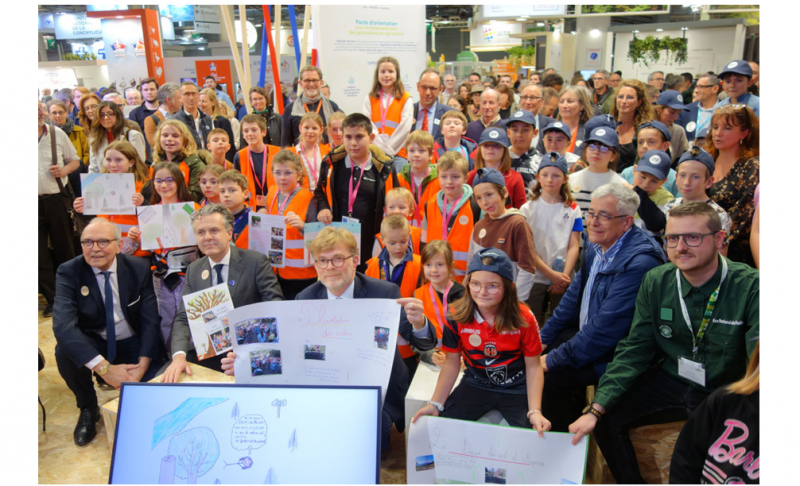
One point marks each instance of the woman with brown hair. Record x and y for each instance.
(630, 109)
(733, 141)
(209, 105)
(109, 126)
(87, 108)
(575, 109)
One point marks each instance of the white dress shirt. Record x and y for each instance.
(122, 329)
(226, 265)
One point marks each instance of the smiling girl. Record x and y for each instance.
(309, 148)
(391, 110)
(174, 143)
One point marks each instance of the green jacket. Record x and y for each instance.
(659, 332)
(609, 102)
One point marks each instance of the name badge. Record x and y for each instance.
(436, 121)
(348, 219)
(261, 201)
(692, 370)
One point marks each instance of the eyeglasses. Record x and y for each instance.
(704, 85)
(335, 261)
(311, 81)
(102, 244)
(107, 115)
(691, 239)
(491, 289)
(597, 146)
(599, 78)
(169, 181)
(603, 218)
(530, 98)
(287, 173)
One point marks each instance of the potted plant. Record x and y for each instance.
(521, 56)
(648, 50)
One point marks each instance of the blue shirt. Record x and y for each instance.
(748, 99)
(601, 261)
(223, 96)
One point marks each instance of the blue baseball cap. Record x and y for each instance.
(697, 154)
(495, 134)
(737, 67)
(658, 126)
(654, 162)
(523, 116)
(672, 99)
(553, 159)
(501, 264)
(600, 121)
(487, 174)
(559, 127)
(605, 135)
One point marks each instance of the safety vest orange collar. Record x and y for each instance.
(247, 171)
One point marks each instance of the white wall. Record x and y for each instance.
(708, 50)
(586, 41)
(92, 76)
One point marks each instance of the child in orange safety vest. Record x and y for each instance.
(255, 160)
(400, 201)
(419, 176)
(309, 148)
(391, 109)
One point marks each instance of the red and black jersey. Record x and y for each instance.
(494, 360)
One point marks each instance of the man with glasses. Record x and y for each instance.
(530, 99)
(696, 119)
(169, 103)
(598, 307)
(106, 321)
(449, 87)
(428, 110)
(656, 79)
(198, 123)
(692, 333)
(310, 100)
(248, 274)
(601, 89)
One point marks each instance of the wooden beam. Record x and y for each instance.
(237, 62)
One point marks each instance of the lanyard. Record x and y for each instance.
(418, 194)
(446, 216)
(709, 307)
(394, 276)
(235, 225)
(351, 197)
(263, 169)
(312, 166)
(318, 106)
(444, 303)
(384, 111)
(285, 201)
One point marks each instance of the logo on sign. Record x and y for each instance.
(351, 81)
(490, 350)
(488, 33)
(290, 41)
(118, 49)
(138, 48)
(593, 56)
(213, 67)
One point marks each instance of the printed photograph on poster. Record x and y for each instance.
(311, 230)
(204, 312)
(265, 362)
(260, 330)
(166, 226)
(314, 351)
(594, 57)
(425, 463)
(108, 193)
(494, 475)
(268, 236)
(381, 337)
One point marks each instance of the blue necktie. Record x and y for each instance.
(218, 269)
(111, 335)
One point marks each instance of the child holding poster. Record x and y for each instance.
(498, 337)
(391, 110)
(309, 149)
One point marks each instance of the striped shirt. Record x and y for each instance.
(601, 261)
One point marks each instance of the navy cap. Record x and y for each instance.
(672, 99)
(487, 174)
(697, 154)
(654, 162)
(658, 126)
(737, 67)
(494, 134)
(501, 264)
(559, 127)
(600, 121)
(523, 116)
(553, 159)
(605, 135)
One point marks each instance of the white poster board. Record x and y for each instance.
(267, 235)
(351, 39)
(204, 312)
(316, 342)
(442, 450)
(166, 226)
(108, 193)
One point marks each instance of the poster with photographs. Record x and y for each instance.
(108, 193)
(268, 236)
(204, 312)
(311, 230)
(315, 342)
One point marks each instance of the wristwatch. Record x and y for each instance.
(591, 410)
(438, 405)
(102, 371)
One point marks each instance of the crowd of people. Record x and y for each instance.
(548, 236)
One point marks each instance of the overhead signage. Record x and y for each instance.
(77, 26)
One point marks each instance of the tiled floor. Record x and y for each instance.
(61, 461)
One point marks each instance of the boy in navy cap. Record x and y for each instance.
(695, 177)
(649, 175)
(653, 135)
(521, 127)
(669, 107)
(736, 78)
(556, 137)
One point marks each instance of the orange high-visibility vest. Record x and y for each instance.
(247, 171)
(429, 192)
(294, 261)
(324, 150)
(428, 307)
(393, 115)
(127, 221)
(459, 236)
(243, 241)
(184, 169)
(415, 238)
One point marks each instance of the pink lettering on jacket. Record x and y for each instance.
(725, 450)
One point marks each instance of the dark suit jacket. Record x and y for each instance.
(205, 126)
(441, 109)
(75, 314)
(541, 122)
(372, 288)
(254, 281)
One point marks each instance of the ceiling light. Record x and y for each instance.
(119, 17)
(635, 31)
(573, 32)
(659, 30)
(201, 48)
(594, 33)
(539, 24)
(684, 28)
(522, 19)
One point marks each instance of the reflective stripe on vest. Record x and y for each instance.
(459, 236)
(393, 116)
(249, 174)
(294, 257)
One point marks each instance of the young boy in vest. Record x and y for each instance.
(233, 194)
(419, 175)
(255, 160)
(649, 176)
(353, 181)
(453, 126)
(218, 144)
(453, 212)
(400, 201)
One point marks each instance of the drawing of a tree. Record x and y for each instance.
(198, 306)
(196, 450)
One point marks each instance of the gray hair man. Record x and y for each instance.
(531, 99)
(601, 88)
(169, 102)
(490, 113)
(656, 78)
(310, 100)
(449, 87)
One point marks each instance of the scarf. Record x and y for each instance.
(299, 110)
(68, 126)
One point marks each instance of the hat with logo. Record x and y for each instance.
(654, 162)
(600, 121)
(487, 174)
(494, 134)
(476, 88)
(500, 264)
(553, 159)
(737, 67)
(697, 154)
(605, 135)
(658, 126)
(523, 116)
(672, 99)
(558, 127)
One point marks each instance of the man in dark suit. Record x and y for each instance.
(697, 118)
(105, 320)
(336, 256)
(248, 273)
(429, 111)
(198, 123)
